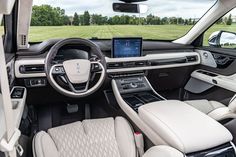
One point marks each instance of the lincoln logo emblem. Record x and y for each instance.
(78, 67)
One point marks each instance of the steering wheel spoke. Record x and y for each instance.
(58, 70)
(96, 67)
(78, 88)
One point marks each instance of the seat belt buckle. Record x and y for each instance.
(8, 146)
(19, 149)
(138, 137)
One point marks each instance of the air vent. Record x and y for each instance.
(192, 58)
(114, 65)
(26, 69)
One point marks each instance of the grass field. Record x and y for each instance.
(147, 32)
(163, 32)
(1, 30)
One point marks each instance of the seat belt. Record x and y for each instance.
(9, 142)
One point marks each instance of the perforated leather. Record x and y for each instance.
(214, 109)
(205, 106)
(90, 138)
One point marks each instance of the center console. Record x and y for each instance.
(164, 122)
(136, 91)
(171, 122)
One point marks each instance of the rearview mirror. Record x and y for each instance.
(223, 39)
(130, 8)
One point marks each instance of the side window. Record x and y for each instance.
(223, 32)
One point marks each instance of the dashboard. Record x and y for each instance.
(144, 55)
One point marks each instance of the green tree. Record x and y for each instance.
(67, 20)
(86, 18)
(46, 15)
(229, 20)
(109, 21)
(116, 20)
(98, 19)
(81, 19)
(180, 21)
(165, 21)
(104, 20)
(124, 19)
(173, 20)
(76, 20)
(150, 19)
(190, 21)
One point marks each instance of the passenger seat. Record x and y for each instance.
(214, 109)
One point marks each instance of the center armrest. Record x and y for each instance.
(183, 127)
(163, 151)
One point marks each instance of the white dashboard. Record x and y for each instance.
(116, 65)
(152, 61)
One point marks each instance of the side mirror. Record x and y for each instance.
(130, 8)
(214, 39)
(223, 39)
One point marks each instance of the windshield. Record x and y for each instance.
(164, 20)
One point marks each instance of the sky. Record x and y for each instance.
(161, 8)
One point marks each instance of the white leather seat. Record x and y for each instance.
(106, 137)
(214, 109)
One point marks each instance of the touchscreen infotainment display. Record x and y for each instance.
(126, 47)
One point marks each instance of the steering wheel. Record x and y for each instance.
(75, 73)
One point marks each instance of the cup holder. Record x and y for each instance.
(138, 99)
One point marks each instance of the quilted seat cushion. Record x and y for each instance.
(89, 138)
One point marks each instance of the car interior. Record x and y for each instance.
(124, 96)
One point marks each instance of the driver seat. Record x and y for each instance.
(106, 137)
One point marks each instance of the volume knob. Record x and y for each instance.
(133, 85)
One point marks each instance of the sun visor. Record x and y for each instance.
(6, 6)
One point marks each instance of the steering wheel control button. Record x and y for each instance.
(96, 67)
(58, 70)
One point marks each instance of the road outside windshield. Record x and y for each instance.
(165, 19)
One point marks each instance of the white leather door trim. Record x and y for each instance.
(226, 82)
(207, 58)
